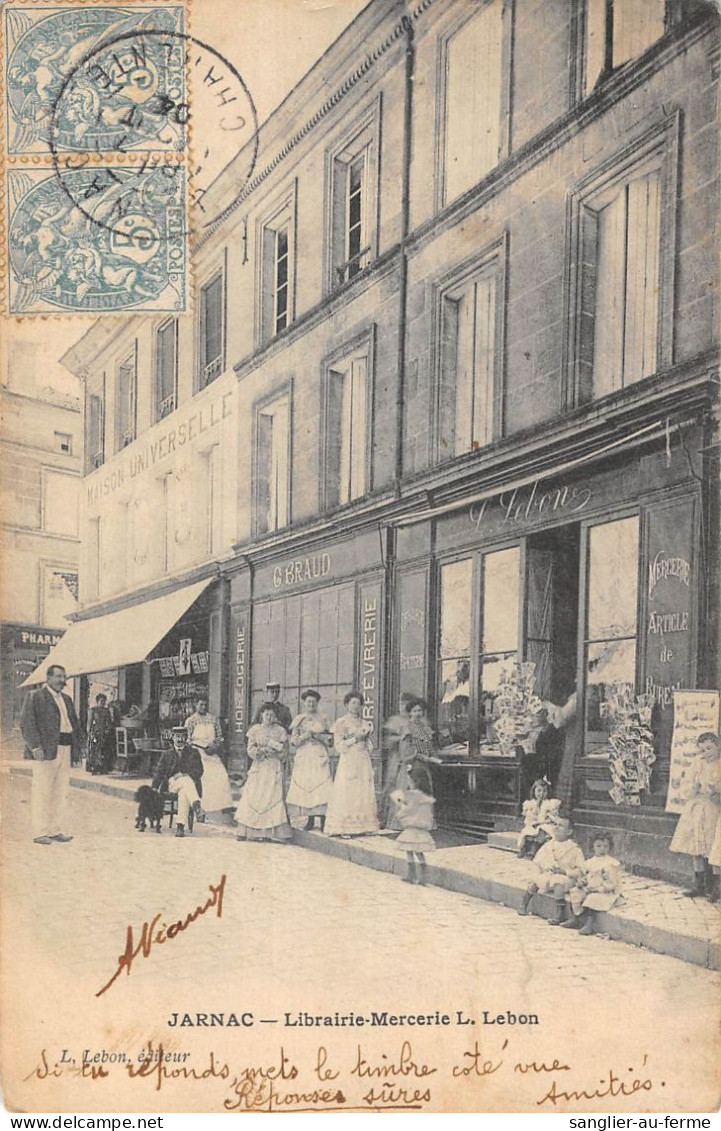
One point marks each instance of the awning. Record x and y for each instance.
(119, 638)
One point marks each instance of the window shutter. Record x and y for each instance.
(636, 25)
(473, 95)
(449, 369)
(642, 279)
(263, 471)
(484, 360)
(595, 42)
(358, 427)
(610, 297)
(335, 440)
(465, 307)
(278, 487)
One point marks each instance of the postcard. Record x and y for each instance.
(360, 531)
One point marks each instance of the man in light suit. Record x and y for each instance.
(52, 736)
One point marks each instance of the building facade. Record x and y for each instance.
(446, 400)
(40, 444)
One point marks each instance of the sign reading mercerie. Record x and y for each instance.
(140, 459)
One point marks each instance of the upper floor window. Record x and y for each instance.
(354, 196)
(96, 429)
(474, 99)
(213, 499)
(347, 427)
(60, 502)
(126, 399)
(619, 30)
(272, 465)
(166, 368)
(470, 354)
(277, 270)
(624, 241)
(63, 442)
(211, 330)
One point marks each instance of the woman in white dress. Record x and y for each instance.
(352, 806)
(261, 812)
(205, 735)
(311, 783)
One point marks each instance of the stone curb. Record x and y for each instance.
(689, 948)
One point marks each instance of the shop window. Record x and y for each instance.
(474, 99)
(347, 400)
(611, 623)
(499, 633)
(60, 503)
(625, 235)
(475, 658)
(272, 465)
(96, 429)
(469, 360)
(166, 368)
(454, 659)
(616, 31)
(211, 332)
(277, 270)
(126, 402)
(354, 196)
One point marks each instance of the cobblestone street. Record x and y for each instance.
(304, 932)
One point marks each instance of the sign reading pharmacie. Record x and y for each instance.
(30, 636)
(141, 457)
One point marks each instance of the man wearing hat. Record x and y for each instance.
(180, 771)
(273, 696)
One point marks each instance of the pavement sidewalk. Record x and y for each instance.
(655, 914)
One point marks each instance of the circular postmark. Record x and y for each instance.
(123, 112)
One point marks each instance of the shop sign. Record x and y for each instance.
(165, 444)
(26, 636)
(370, 651)
(669, 619)
(240, 718)
(523, 505)
(300, 570)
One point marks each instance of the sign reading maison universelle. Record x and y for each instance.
(141, 458)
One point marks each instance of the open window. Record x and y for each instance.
(347, 427)
(616, 31)
(166, 368)
(353, 172)
(277, 269)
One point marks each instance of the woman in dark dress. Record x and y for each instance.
(101, 737)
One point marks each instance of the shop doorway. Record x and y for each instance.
(553, 563)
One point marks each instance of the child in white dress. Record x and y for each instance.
(560, 864)
(414, 812)
(540, 814)
(698, 824)
(598, 889)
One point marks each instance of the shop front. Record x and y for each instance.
(23, 647)
(152, 661)
(547, 622)
(310, 618)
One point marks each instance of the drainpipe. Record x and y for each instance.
(390, 534)
(405, 227)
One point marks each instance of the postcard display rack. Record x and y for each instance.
(177, 699)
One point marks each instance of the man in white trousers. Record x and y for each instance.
(51, 732)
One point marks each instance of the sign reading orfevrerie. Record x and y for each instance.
(694, 713)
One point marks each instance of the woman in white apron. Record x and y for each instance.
(205, 734)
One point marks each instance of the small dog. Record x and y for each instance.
(150, 808)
